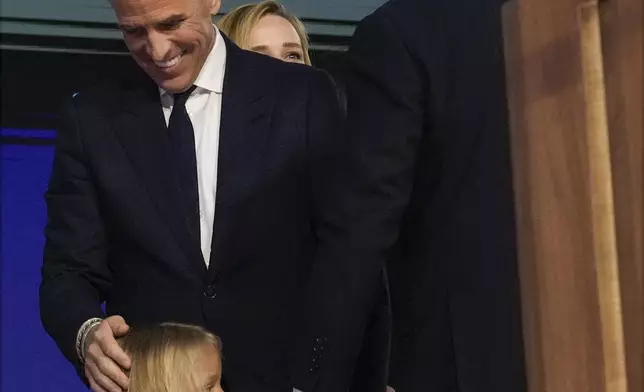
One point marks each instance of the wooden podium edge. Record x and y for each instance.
(601, 194)
(606, 259)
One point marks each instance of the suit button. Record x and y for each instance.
(210, 292)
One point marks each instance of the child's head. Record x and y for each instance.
(172, 357)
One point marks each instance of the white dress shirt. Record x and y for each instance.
(204, 110)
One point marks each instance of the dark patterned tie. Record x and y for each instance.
(182, 137)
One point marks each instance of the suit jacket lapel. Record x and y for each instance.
(245, 120)
(245, 123)
(142, 131)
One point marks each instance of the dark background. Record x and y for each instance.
(35, 82)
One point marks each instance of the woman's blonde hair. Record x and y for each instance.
(164, 355)
(238, 23)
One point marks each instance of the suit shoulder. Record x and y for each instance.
(407, 15)
(103, 94)
(277, 74)
(407, 8)
(93, 94)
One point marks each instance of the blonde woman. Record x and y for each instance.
(172, 357)
(269, 29)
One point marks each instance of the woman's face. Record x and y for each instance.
(276, 37)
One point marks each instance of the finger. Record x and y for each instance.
(105, 337)
(111, 370)
(102, 378)
(121, 330)
(94, 352)
(99, 362)
(92, 382)
(113, 350)
(118, 325)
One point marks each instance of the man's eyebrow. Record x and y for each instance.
(128, 26)
(172, 19)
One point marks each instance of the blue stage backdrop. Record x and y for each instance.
(30, 359)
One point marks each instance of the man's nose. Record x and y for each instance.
(157, 46)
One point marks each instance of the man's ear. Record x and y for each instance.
(215, 5)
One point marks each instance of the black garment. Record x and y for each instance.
(432, 191)
(116, 232)
(182, 137)
(371, 370)
(371, 367)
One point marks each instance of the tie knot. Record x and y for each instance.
(181, 98)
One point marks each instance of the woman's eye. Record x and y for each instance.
(294, 56)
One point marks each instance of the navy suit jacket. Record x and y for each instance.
(432, 191)
(116, 232)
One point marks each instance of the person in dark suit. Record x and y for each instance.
(196, 192)
(431, 193)
(268, 28)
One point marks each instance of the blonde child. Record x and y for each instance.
(171, 357)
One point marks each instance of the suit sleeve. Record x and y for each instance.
(75, 274)
(360, 208)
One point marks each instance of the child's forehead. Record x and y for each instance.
(209, 356)
(206, 370)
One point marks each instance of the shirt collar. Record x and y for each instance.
(211, 76)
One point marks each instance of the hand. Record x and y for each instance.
(104, 358)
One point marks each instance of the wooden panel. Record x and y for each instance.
(529, 273)
(579, 197)
(561, 317)
(602, 199)
(623, 46)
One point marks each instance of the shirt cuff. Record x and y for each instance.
(81, 336)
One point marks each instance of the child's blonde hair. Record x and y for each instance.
(238, 23)
(164, 355)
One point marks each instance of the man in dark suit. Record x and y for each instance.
(432, 193)
(196, 192)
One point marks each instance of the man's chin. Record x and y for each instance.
(174, 85)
